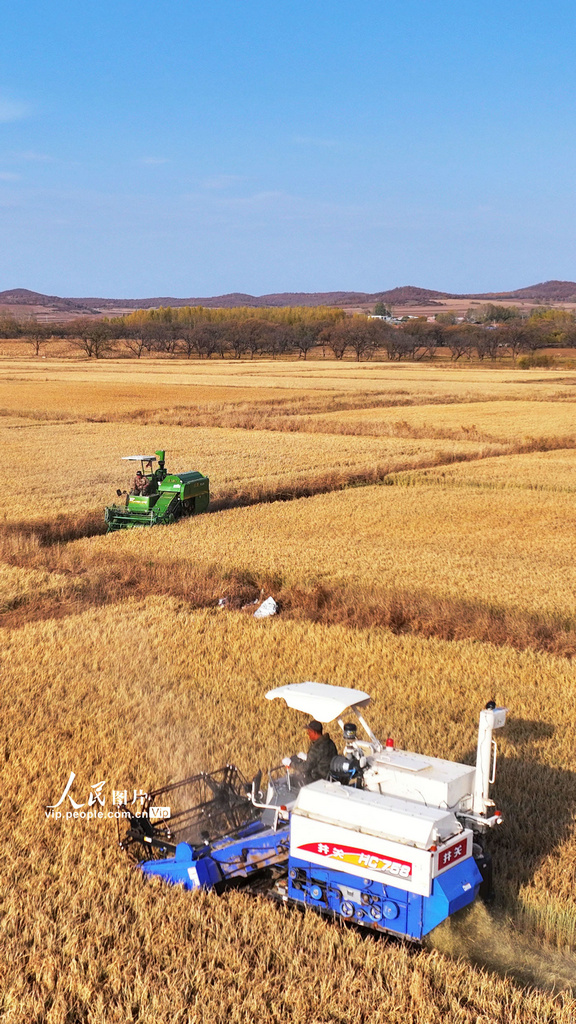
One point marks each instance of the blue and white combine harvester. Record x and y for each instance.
(393, 841)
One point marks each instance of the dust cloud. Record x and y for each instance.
(489, 939)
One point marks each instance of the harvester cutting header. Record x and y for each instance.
(158, 497)
(390, 840)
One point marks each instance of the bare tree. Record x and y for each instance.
(168, 337)
(304, 337)
(237, 339)
(135, 339)
(460, 340)
(361, 337)
(336, 338)
(206, 338)
(275, 340)
(395, 345)
(423, 338)
(188, 340)
(94, 337)
(284, 340)
(37, 335)
(10, 327)
(253, 334)
(487, 343)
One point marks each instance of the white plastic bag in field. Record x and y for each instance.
(267, 608)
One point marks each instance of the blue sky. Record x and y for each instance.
(187, 149)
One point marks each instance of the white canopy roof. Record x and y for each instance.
(139, 458)
(319, 700)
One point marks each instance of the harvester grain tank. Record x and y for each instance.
(392, 841)
(165, 497)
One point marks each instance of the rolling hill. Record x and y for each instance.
(545, 292)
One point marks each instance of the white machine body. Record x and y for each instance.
(426, 780)
(382, 838)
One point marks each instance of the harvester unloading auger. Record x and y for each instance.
(392, 841)
(163, 498)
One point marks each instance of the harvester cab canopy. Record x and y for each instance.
(325, 703)
(319, 700)
(142, 459)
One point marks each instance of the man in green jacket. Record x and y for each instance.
(316, 763)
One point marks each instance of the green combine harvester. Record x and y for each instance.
(160, 497)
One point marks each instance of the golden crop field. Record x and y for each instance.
(492, 421)
(170, 379)
(100, 939)
(78, 396)
(539, 471)
(116, 665)
(482, 546)
(77, 467)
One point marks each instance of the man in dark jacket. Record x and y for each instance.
(319, 757)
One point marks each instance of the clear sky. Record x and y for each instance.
(172, 147)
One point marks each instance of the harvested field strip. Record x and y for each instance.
(404, 603)
(503, 421)
(295, 413)
(335, 414)
(477, 546)
(258, 494)
(112, 387)
(552, 470)
(341, 409)
(82, 585)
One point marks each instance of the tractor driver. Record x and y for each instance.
(140, 483)
(316, 763)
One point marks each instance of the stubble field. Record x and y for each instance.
(431, 568)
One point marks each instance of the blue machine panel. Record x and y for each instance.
(381, 906)
(184, 868)
(251, 849)
(451, 891)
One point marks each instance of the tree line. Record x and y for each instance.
(487, 332)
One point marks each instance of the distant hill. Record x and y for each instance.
(24, 297)
(546, 292)
(228, 301)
